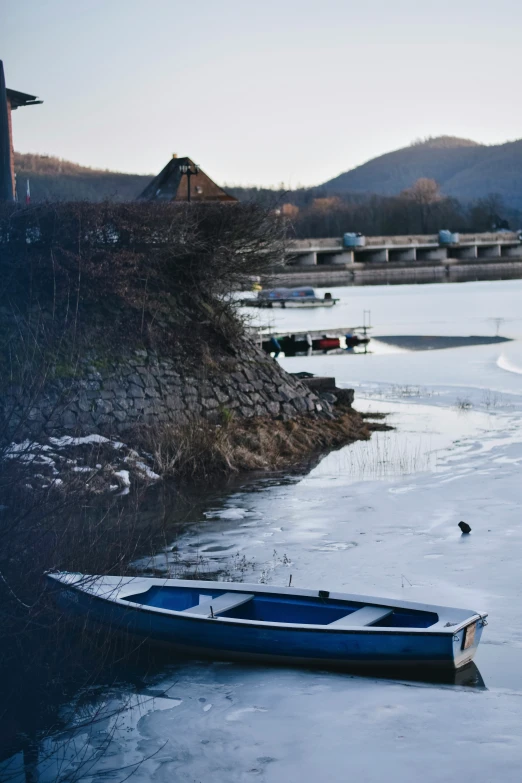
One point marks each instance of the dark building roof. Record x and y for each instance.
(17, 98)
(172, 183)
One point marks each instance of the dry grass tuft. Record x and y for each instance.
(205, 450)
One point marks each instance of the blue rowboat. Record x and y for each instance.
(251, 622)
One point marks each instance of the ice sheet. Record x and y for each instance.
(378, 517)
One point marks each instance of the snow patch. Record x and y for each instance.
(147, 471)
(36, 459)
(505, 364)
(124, 477)
(141, 466)
(26, 445)
(58, 461)
(68, 440)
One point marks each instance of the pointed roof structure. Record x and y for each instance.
(183, 180)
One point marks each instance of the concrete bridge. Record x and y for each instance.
(409, 249)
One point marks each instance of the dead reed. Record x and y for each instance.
(206, 450)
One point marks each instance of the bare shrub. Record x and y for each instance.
(159, 271)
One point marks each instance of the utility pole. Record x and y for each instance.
(6, 180)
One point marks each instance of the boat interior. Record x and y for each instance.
(276, 608)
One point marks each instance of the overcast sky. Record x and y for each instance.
(259, 91)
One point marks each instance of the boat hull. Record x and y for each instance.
(339, 648)
(289, 303)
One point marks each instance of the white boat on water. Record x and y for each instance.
(290, 297)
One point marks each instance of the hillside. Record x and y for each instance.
(58, 180)
(463, 168)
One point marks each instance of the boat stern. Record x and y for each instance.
(466, 641)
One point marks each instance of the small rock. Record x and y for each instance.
(465, 527)
(136, 391)
(103, 406)
(345, 396)
(330, 398)
(135, 379)
(68, 420)
(210, 403)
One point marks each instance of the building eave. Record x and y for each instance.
(17, 98)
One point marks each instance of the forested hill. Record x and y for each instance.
(462, 168)
(58, 180)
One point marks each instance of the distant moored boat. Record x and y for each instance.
(290, 297)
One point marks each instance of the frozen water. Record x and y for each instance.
(436, 309)
(379, 518)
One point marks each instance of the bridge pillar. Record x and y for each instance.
(432, 253)
(488, 251)
(306, 259)
(402, 254)
(511, 251)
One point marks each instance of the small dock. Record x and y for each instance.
(267, 331)
(350, 339)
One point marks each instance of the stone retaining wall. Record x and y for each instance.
(145, 388)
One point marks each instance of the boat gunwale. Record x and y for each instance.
(435, 630)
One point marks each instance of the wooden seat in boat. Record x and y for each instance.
(368, 615)
(223, 603)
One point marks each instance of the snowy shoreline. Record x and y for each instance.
(107, 465)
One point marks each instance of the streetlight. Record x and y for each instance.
(185, 169)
